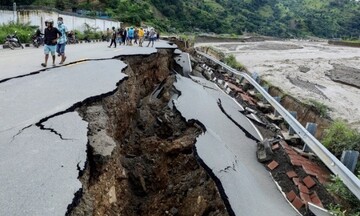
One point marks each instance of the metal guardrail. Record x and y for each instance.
(349, 179)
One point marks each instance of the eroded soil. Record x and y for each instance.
(152, 168)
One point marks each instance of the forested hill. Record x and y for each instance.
(284, 18)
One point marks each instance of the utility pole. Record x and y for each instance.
(14, 12)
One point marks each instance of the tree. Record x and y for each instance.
(60, 5)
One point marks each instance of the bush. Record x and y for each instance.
(90, 33)
(340, 137)
(321, 108)
(24, 31)
(232, 62)
(79, 35)
(351, 205)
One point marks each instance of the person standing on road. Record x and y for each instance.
(124, 36)
(113, 38)
(158, 36)
(152, 37)
(136, 35)
(141, 36)
(119, 36)
(62, 40)
(51, 36)
(131, 34)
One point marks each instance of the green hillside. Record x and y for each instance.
(283, 18)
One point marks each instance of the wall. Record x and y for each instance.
(73, 22)
(6, 16)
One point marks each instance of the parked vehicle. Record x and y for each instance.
(37, 40)
(71, 38)
(13, 41)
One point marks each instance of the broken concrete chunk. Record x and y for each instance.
(112, 195)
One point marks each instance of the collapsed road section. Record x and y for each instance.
(129, 136)
(42, 141)
(98, 138)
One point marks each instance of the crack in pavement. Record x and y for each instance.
(73, 108)
(49, 69)
(42, 127)
(19, 132)
(236, 123)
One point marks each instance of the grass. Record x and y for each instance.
(232, 62)
(321, 108)
(339, 137)
(24, 31)
(350, 205)
(352, 41)
(187, 37)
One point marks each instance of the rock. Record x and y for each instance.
(174, 211)
(112, 195)
(264, 152)
(180, 145)
(304, 69)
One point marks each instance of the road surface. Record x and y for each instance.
(43, 141)
(40, 156)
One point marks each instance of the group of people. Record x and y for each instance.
(131, 35)
(55, 38)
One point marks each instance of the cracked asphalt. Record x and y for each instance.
(42, 140)
(229, 151)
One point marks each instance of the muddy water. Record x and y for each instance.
(279, 62)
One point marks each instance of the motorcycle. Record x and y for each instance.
(72, 40)
(37, 40)
(13, 41)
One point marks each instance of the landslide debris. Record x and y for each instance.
(141, 158)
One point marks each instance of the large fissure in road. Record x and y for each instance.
(141, 158)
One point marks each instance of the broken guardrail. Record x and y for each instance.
(339, 169)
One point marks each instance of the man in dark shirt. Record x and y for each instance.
(50, 39)
(113, 37)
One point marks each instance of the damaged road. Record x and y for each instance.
(125, 135)
(229, 151)
(90, 138)
(41, 160)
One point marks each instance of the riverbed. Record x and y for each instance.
(306, 70)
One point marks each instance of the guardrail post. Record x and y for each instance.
(335, 165)
(312, 128)
(266, 88)
(278, 99)
(256, 77)
(291, 130)
(349, 159)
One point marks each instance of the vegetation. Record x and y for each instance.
(282, 18)
(24, 31)
(350, 205)
(89, 32)
(340, 137)
(232, 62)
(322, 109)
